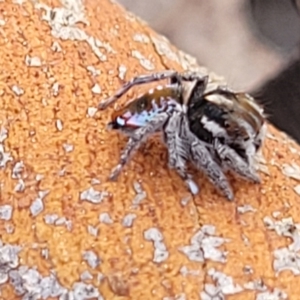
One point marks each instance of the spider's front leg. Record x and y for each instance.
(204, 161)
(174, 76)
(178, 149)
(142, 79)
(137, 137)
(232, 160)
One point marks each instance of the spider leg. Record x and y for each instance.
(220, 90)
(191, 76)
(135, 141)
(232, 160)
(178, 150)
(203, 160)
(137, 81)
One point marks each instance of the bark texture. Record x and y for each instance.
(143, 237)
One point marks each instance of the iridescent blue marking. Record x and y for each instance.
(141, 119)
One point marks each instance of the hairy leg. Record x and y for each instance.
(174, 76)
(233, 161)
(135, 141)
(203, 160)
(178, 150)
(137, 81)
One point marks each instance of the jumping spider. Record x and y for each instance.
(214, 128)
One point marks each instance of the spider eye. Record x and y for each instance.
(174, 80)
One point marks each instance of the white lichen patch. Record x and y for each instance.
(292, 170)
(271, 136)
(122, 71)
(223, 286)
(55, 89)
(8, 260)
(5, 157)
(20, 2)
(96, 89)
(256, 285)
(245, 208)
(184, 201)
(50, 218)
(30, 284)
(39, 177)
(45, 253)
(68, 147)
(94, 72)
(261, 163)
(20, 186)
(43, 194)
(93, 196)
(105, 46)
(6, 212)
(9, 228)
(69, 225)
(63, 20)
(140, 194)
(162, 47)
(95, 44)
(84, 291)
(286, 227)
(61, 172)
(141, 38)
(3, 134)
(245, 239)
(95, 181)
(138, 187)
(17, 170)
(55, 219)
(204, 246)
(105, 218)
(160, 250)
(18, 91)
(91, 258)
(276, 214)
(37, 206)
(86, 275)
(59, 125)
(91, 111)
(128, 220)
(189, 63)
(293, 150)
(33, 61)
(145, 63)
(56, 47)
(247, 269)
(276, 294)
(60, 221)
(100, 277)
(92, 230)
(184, 271)
(286, 258)
(297, 189)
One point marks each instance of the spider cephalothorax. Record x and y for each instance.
(213, 127)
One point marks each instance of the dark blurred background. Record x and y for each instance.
(254, 44)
